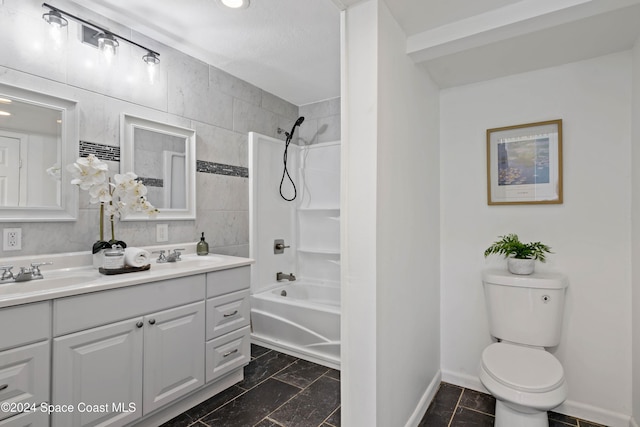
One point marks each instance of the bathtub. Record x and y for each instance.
(301, 319)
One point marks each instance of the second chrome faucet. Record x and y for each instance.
(281, 276)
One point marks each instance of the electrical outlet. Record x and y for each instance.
(162, 232)
(12, 239)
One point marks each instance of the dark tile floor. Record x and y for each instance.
(455, 406)
(277, 390)
(282, 390)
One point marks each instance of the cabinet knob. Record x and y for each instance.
(152, 321)
(139, 324)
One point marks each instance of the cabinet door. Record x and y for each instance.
(100, 366)
(24, 375)
(27, 419)
(173, 354)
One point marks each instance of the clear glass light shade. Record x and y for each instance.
(108, 45)
(151, 59)
(55, 19)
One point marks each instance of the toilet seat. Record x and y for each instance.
(521, 368)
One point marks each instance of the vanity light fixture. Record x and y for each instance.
(54, 18)
(151, 58)
(5, 101)
(107, 41)
(107, 44)
(4, 113)
(236, 4)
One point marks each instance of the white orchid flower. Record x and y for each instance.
(88, 171)
(100, 193)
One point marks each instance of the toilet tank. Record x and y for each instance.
(525, 309)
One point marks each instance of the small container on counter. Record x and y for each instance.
(114, 258)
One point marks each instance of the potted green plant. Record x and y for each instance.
(521, 257)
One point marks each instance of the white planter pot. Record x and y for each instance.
(520, 266)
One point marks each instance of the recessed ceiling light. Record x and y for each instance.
(236, 4)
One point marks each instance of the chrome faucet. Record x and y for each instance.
(24, 275)
(175, 256)
(171, 257)
(281, 276)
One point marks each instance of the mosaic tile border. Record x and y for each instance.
(221, 169)
(151, 182)
(111, 153)
(101, 151)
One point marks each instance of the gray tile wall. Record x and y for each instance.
(321, 122)
(186, 92)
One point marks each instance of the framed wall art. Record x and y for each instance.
(524, 164)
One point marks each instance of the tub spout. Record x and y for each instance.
(281, 276)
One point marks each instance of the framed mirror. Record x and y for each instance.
(164, 158)
(38, 138)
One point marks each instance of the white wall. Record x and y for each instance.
(408, 255)
(589, 233)
(390, 195)
(358, 214)
(635, 196)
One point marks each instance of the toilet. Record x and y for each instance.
(525, 316)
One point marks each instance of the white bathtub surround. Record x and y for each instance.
(306, 322)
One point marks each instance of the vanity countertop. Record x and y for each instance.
(70, 275)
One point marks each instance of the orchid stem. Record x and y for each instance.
(101, 222)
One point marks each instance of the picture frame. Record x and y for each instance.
(524, 164)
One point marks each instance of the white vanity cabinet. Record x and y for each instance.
(24, 363)
(125, 353)
(228, 345)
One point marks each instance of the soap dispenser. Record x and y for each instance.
(203, 247)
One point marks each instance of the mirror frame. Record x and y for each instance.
(69, 152)
(128, 124)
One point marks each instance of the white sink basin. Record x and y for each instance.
(51, 280)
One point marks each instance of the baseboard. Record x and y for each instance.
(633, 423)
(593, 413)
(463, 380)
(569, 407)
(425, 401)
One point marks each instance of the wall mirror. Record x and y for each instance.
(38, 137)
(163, 157)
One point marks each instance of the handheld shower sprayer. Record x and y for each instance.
(285, 172)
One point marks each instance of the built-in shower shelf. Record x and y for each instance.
(319, 251)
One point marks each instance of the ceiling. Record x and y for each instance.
(291, 48)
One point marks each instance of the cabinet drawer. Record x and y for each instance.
(82, 312)
(227, 313)
(24, 375)
(228, 352)
(27, 419)
(226, 281)
(24, 324)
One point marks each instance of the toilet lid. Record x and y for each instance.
(523, 368)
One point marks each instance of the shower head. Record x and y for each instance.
(297, 123)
